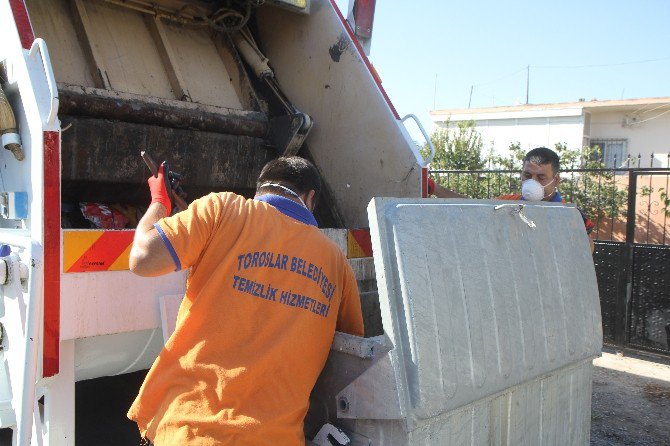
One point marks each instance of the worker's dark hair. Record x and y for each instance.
(541, 156)
(293, 172)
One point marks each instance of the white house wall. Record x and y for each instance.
(644, 138)
(646, 130)
(499, 134)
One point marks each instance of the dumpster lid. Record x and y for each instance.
(475, 300)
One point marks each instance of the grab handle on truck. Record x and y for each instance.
(41, 46)
(425, 135)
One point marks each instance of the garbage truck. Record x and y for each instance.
(482, 317)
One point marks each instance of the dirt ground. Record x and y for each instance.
(631, 400)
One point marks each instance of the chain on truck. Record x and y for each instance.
(219, 88)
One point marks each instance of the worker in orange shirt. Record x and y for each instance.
(265, 293)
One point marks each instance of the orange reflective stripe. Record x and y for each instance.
(85, 251)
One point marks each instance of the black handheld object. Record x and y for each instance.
(172, 180)
(151, 164)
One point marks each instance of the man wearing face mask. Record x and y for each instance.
(265, 293)
(540, 179)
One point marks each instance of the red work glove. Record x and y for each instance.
(160, 190)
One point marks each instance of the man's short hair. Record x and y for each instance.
(541, 156)
(293, 172)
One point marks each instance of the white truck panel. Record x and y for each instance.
(30, 88)
(110, 302)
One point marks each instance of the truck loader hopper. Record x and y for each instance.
(490, 329)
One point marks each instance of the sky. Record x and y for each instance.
(429, 53)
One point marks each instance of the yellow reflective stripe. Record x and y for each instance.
(75, 243)
(121, 264)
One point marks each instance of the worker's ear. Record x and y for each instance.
(308, 198)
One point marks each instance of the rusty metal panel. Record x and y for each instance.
(102, 104)
(101, 151)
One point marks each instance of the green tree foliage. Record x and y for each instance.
(458, 149)
(508, 178)
(665, 201)
(595, 190)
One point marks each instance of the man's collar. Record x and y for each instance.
(556, 198)
(289, 207)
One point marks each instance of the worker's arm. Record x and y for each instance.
(589, 226)
(149, 255)
(442, 192)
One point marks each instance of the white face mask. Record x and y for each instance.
(287, 190)
(532, 190)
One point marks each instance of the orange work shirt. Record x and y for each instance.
(264, 296)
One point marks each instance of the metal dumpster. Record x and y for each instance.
(491, 321)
